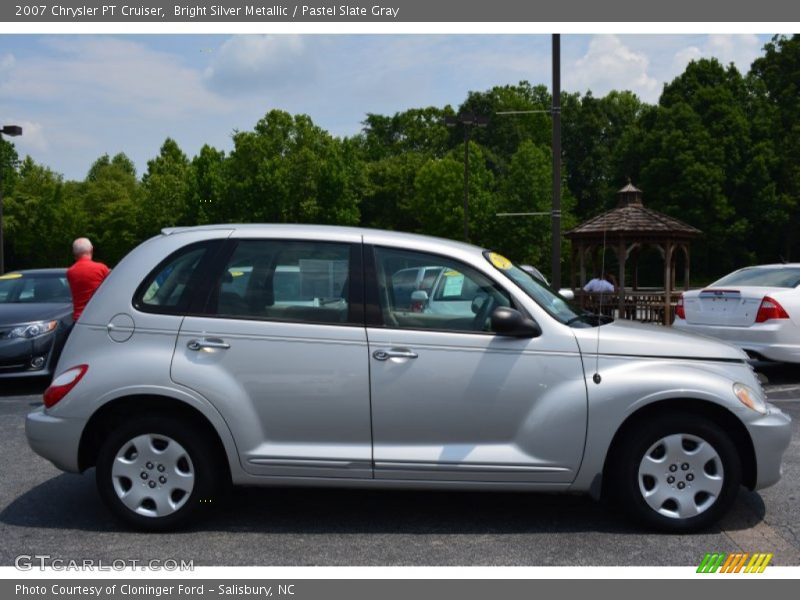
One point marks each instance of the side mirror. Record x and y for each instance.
(419, 298)
(510, 322)
(566, 293)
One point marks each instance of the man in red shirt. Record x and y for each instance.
(85, 276)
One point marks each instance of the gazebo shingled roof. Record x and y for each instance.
(625, 229)
(631, 217)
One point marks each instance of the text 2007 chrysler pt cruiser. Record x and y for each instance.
(279, 354)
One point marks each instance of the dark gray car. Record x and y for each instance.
(35, 317)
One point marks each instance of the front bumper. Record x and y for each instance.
(54, 438)
(16, 356)
(771, 435)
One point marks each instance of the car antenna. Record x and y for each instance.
(596, 377)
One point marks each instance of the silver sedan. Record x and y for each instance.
(191, 370)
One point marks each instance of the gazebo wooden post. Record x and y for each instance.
(621, 259)
(686, 267)
(668, 248)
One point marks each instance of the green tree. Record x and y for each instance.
(438, 196)
(109, 198)
(290, 170)
(778, 77)
(167, 197)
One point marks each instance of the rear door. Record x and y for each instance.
(280, 349)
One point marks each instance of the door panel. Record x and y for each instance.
(476, 408)
(453, 402)
(296, 396)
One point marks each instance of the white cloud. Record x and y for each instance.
(609, 64)
(249, 63)
(741, 50)
(32, 139)
(111, 75)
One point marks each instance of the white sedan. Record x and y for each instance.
(755, 308)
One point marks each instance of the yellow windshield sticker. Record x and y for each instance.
(451, 273)
(236, 273)
(499, 261)
(11, 276)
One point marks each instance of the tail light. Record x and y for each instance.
(679, 310)
(62, 384)
(770, 309)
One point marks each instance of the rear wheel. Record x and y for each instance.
(155, 473)
(678, 473)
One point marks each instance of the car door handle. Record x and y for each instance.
(394, 353)
(207, 343)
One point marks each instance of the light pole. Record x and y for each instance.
(556, 218)
(10, 130)
(468, 120)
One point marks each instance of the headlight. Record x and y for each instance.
(32, 330)
(750, 398)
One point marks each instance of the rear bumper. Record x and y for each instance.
(55, 439)
(774, 341)
(771, 435)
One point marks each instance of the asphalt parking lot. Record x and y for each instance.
(44, 511)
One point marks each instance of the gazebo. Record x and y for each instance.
(626, 230)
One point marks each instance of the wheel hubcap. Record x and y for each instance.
(680, 476)
(153, 475)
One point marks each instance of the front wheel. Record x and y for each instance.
(155, 472)
(679, 473)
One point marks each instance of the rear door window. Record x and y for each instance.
(297, 281)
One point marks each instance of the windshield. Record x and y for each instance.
(20, 288)
(560, 308)
(785, 277)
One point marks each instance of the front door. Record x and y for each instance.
(451, 401)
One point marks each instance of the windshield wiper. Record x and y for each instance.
(591, 318)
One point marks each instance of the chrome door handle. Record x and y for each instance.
(207, 343)
(394, 353)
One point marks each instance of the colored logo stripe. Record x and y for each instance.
(734, 563)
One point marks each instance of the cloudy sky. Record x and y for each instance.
(80, 96)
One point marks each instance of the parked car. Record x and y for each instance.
(172, 399)
(755, 308)
(35, 316)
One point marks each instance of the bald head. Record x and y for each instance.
(82, 247)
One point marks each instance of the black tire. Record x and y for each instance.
(198, 462)
(628, 486)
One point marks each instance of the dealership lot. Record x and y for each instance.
(46, 512)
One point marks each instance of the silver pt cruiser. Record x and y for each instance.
(280, 355)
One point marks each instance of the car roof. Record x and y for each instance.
(52, 272)
(773, 266)
(289, 229)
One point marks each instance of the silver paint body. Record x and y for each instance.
(299, 404)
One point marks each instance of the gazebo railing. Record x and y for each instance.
(646, 306)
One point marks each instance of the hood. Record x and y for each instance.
(630, 338)
(14, 314)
